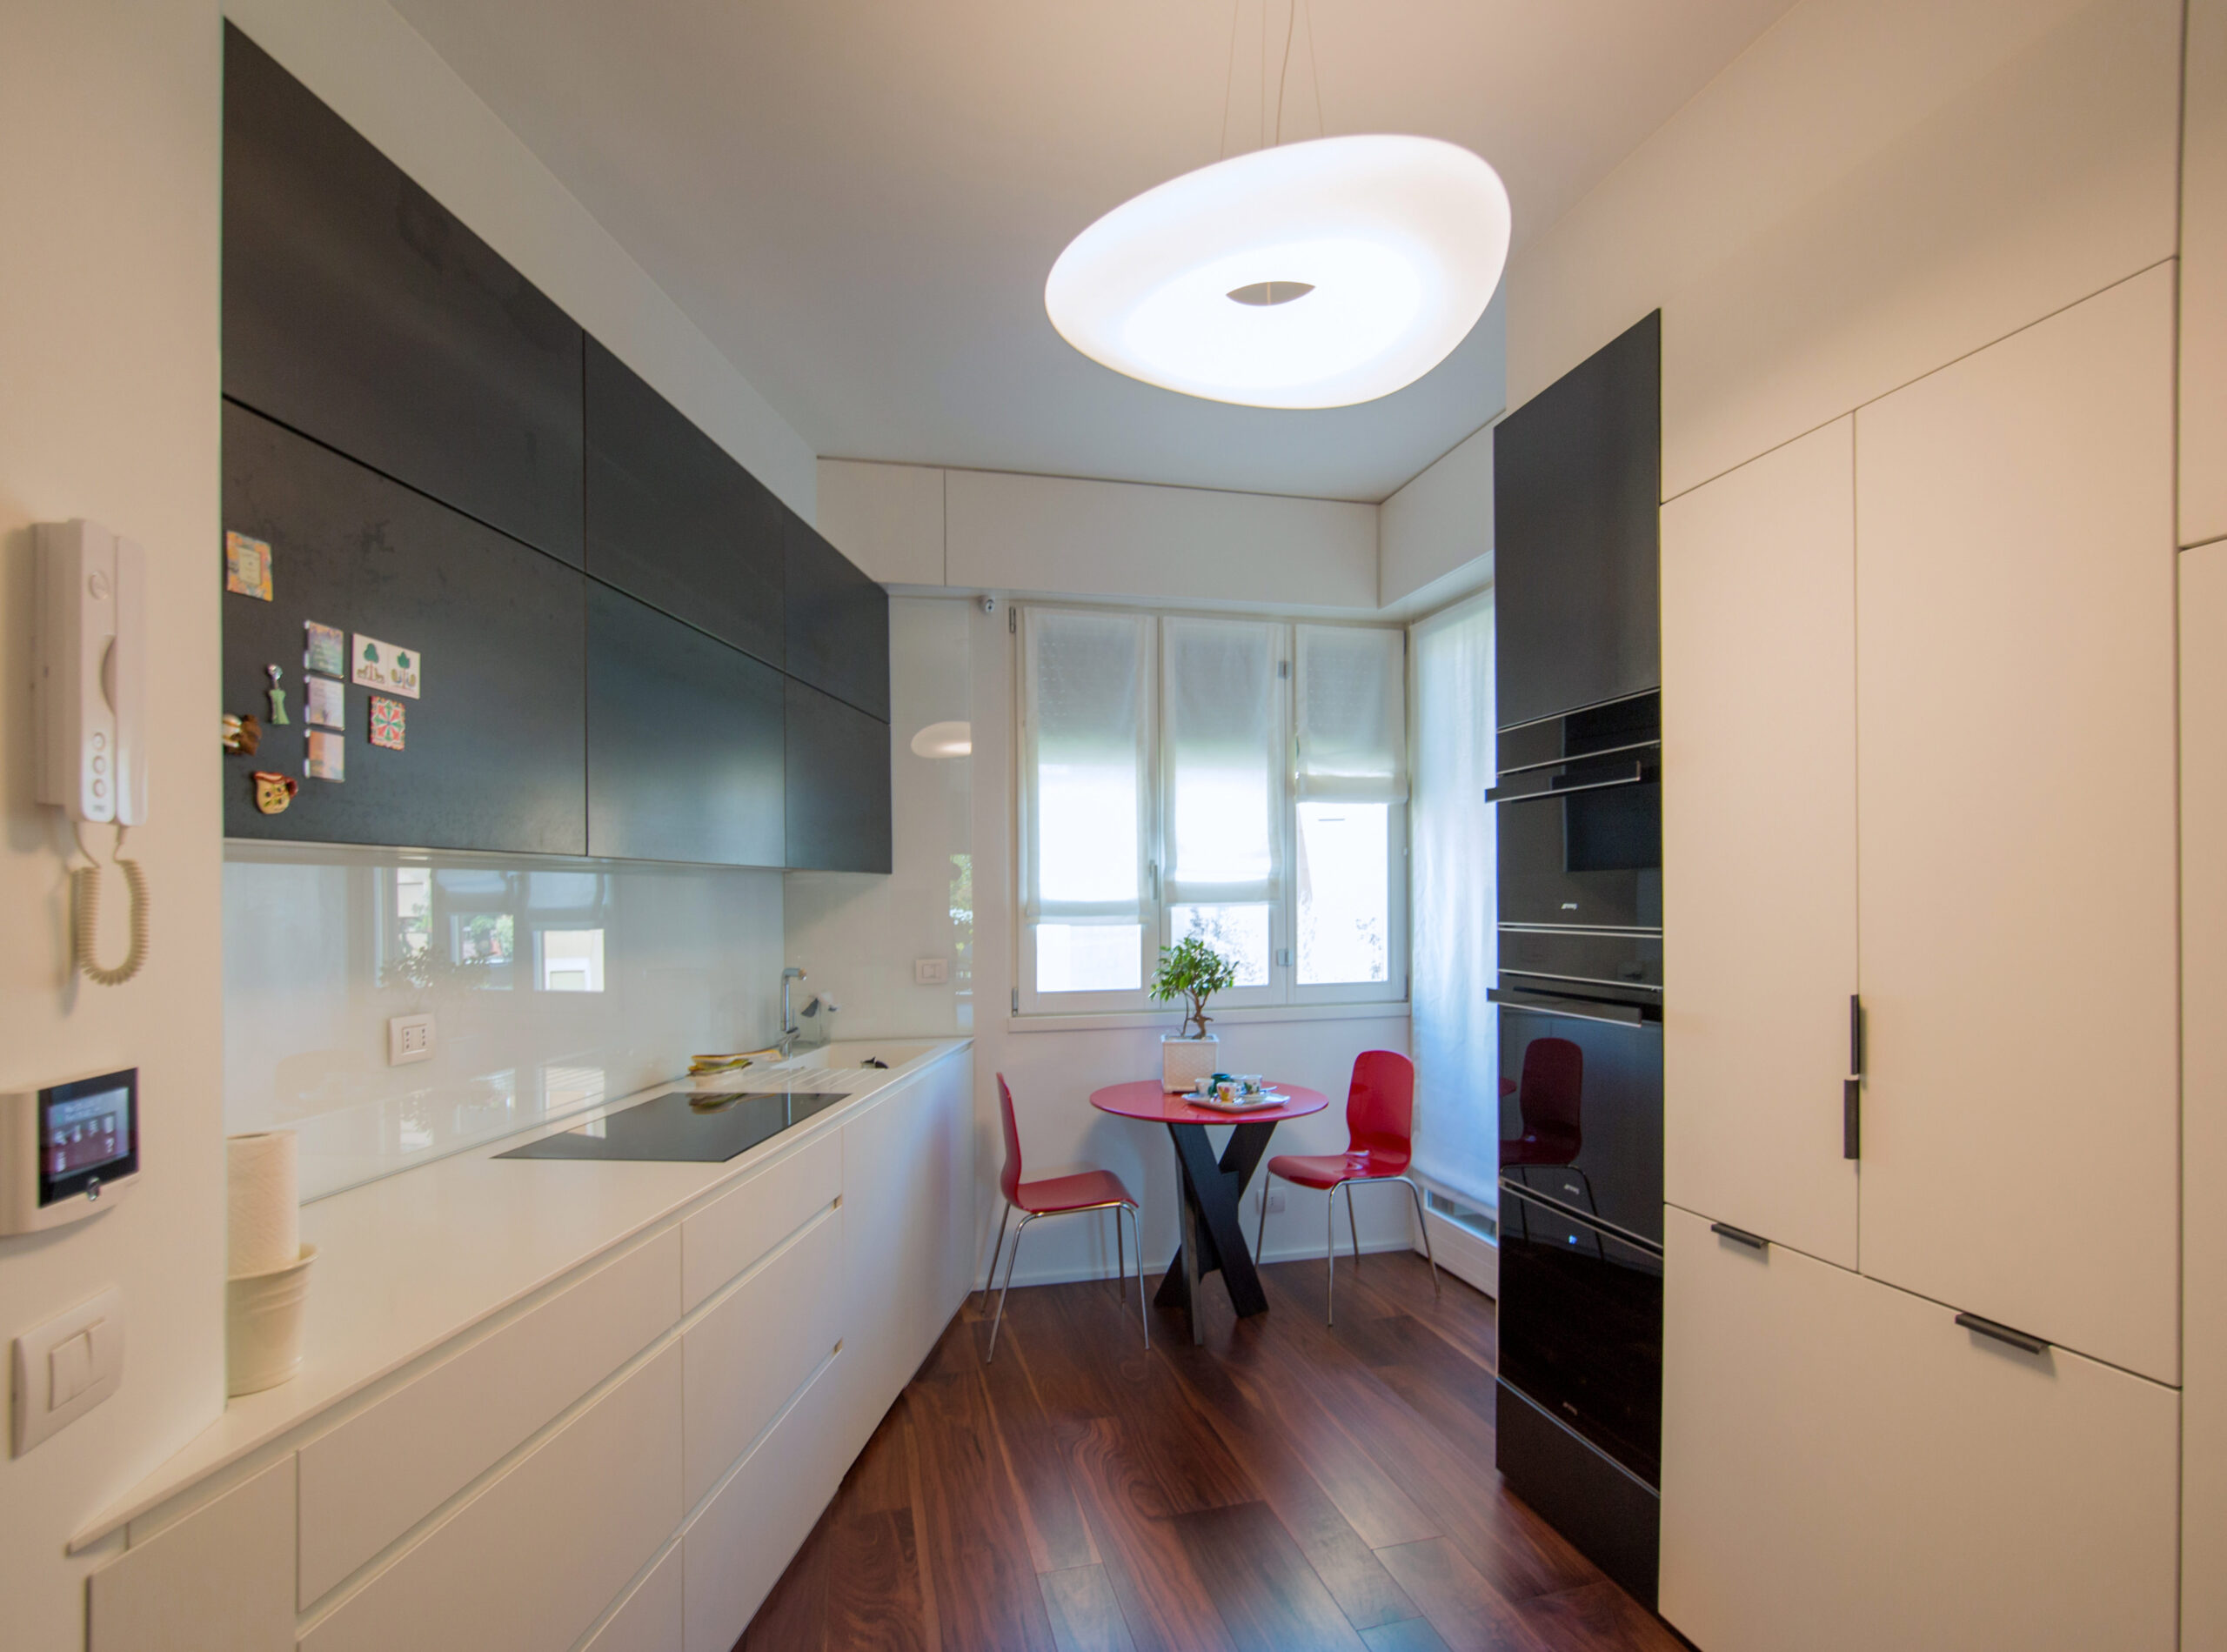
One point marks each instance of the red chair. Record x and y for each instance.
(1380, 1132)
(1549, 1101)
(1057, 1196)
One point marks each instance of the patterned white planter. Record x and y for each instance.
(1184, 1061)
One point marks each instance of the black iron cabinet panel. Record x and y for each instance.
(684, 741)
(1577, 480)
(838, 622)
(838, 807)
(360, 310)
(491, 750)
(672, 519)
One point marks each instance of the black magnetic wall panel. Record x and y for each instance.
(1578, 482)
(493, 748)
(838, 784)
(684, 739)
(359, 310)
(673, 519)
(838, 622)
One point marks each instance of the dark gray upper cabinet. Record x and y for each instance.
(838, 622)
(684, 741)
(672, 519)
(1577, 483)
(358, 310)
(838, 784)
(493, 747)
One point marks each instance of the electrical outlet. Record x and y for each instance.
(1275, 1204)
(931, 972)
(409, 1038)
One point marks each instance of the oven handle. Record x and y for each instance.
(1581, 1009)
(1636, 774)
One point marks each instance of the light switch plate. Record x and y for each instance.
(931, 972)
(83, 1349)
(409, 1038)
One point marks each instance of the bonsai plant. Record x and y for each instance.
(1194, 972)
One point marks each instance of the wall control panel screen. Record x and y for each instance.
(87, 1133)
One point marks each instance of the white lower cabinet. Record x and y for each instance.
(908, 1208)
(1844, 1466)
(740, 1541)
(651, 1618)
(756, 1347)
(221, 1580)
(529, 1563)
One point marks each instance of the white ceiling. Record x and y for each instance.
(857, 202)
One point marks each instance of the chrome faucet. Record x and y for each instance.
(789, 1031)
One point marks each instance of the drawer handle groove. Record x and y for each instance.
(1739, 1235)
(2019, 1340)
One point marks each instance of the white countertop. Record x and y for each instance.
(411, 1263)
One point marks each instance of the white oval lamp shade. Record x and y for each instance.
(1311, 275)
(944, 739)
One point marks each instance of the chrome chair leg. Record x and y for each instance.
(1143, 1317)
(1330, 1253)
(1120, 1260)
(1260, 1229)
(990, 1279)
(1012, 1262)
(1423, 1222)
(1353, 1225)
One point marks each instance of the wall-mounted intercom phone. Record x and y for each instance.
(89, 701)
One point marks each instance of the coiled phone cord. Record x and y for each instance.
(85, 891)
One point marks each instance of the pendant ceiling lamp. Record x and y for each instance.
(1314, 274)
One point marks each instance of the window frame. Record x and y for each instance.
(1283, 990)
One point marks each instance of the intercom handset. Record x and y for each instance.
(88, 699)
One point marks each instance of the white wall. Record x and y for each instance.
(362, 58)
(1055, 535)
(1435, 534)
(1873, 188)
(109, 134)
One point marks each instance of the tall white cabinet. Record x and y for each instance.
(1919, 703)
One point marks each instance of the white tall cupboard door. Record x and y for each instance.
(2016, 834)
(2204, 277)
(1759, 842)
(2203, 1165)
(1846, 1469)
(1762, 1386)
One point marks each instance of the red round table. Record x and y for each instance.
(1213, 1233)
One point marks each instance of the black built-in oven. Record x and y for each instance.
(1579, 820)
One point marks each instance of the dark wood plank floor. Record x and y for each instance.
(1285, 1486)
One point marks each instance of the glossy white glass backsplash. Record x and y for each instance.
(553, 984)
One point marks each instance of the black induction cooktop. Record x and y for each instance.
(687, 1126)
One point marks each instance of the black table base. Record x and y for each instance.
(1213, 1229)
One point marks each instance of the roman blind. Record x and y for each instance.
(1352, 710)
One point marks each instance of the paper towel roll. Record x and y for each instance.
(266, 1222)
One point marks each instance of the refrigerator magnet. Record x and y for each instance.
(247, 567)
(327, 757)
(327, 702)
(386, 722)
(385, 668)
(323, 649)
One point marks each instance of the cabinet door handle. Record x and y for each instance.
(1739, 1235)
(1851, 1118)
(2019, 1340)
(1855, 1034)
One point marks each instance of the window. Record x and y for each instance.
(1242, 780)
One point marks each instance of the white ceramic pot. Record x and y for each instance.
(1184, 1061)
(263, 1325)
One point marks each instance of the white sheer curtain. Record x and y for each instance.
(1086, 729)
(1456, 906)
(1224, 785)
